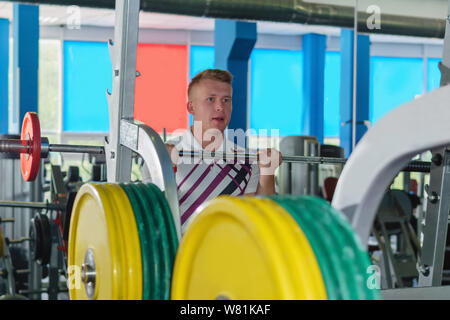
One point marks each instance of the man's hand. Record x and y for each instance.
(173, 153)
(268, 161)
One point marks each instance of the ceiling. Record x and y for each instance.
(53, 15)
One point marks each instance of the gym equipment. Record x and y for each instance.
(110, 268)
(142, 140)
(31, 205)
(41, 242)
(2, 243)
(413, 166)
(141, 268)
(395, 219)
(270, 248)
(32, 147)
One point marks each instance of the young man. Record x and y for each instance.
(209, 102)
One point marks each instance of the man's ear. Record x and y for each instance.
(190, 107)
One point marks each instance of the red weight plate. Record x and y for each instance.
(31, 132)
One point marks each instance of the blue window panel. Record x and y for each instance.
(201, 58)
(332, 94)
(87, 75)
(394, 81)
(276, 91)
(433, 74)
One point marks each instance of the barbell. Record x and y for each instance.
(414, 166)
(32, 147)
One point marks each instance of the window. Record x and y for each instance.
(87, 75)
(49, 85)
(276, 91)
(393, 82)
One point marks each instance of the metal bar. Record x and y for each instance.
(355, 62)
(425, 293)
(123, 53)
(20, 240)
(413, 166)
(22, 146)
(14, 146)
(76, 148)
(30, 205)
(436, 221)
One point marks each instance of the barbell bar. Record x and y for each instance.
(31, 205)
(25, 146)
(413, 166)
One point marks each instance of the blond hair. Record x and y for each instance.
(210, 74)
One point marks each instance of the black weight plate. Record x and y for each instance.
(67, 214)
(46, 238)
(35, 236)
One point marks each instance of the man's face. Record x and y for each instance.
(210, 103)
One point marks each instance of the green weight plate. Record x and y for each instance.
(160, 227)
(319, 233)
(320, 242)
(340, 269)
(361, 257)
(173, 237)
(341, 245)
(155, 236)
(149, 247)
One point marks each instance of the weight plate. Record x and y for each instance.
(46, 238)
(95, 225)
(2, 243)
(160, 225)
(131, 246)
(341, 246)
(35, 236)
(31, 132)
(322, 245)
(145, 234)
(230, 251)
(361, 257)
(168, 217)
(305, 271)
(156, 252)
(67, 213)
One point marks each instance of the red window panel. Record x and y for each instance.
(161, 89)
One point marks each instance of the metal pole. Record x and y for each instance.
(23, 146)
(355, 58)
(413, 166)
(30, 205)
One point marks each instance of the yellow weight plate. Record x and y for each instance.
(305, 269)
(129, 240)
(231, 251)
(95, 229)
(2, 243)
